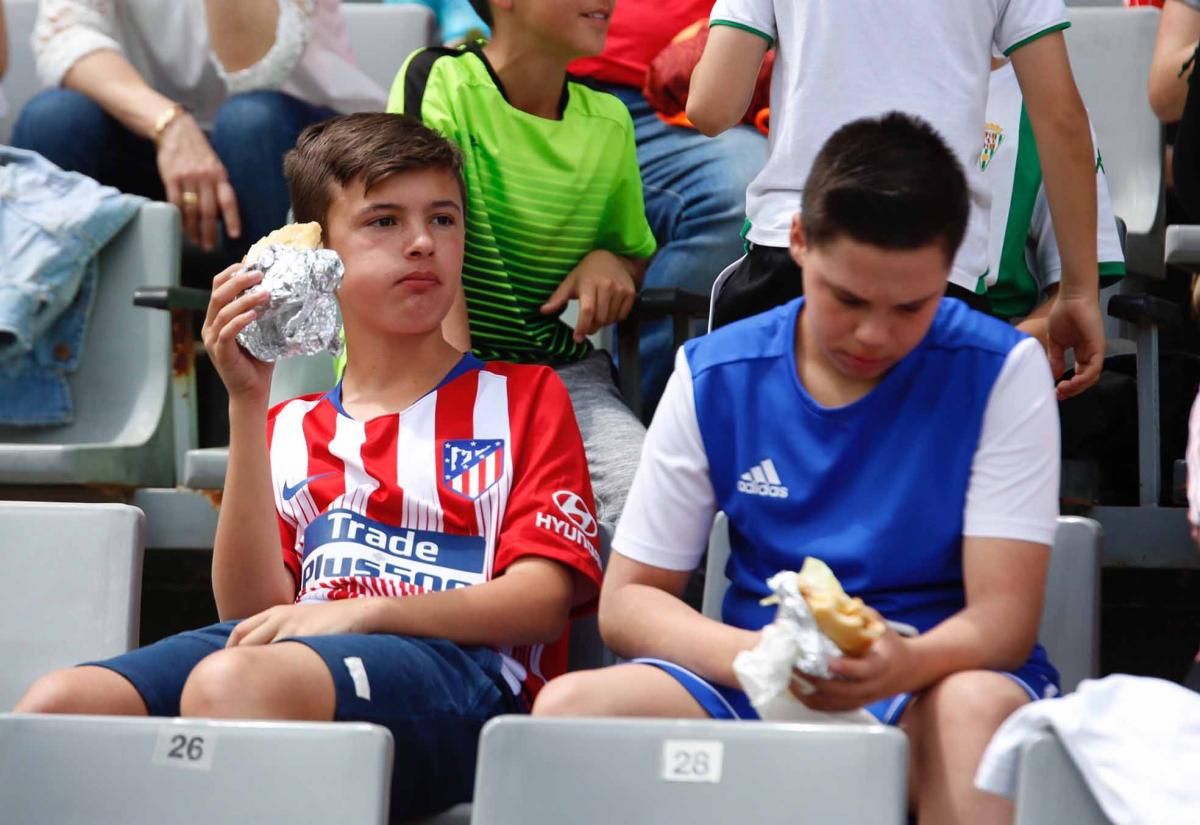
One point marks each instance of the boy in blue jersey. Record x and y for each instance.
(906, 440)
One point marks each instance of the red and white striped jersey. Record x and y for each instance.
(487, 468)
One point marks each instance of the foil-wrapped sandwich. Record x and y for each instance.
(815, 623)
(301, 318)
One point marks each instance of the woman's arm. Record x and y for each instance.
(1178, 31)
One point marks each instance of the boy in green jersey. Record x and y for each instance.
(554, 208)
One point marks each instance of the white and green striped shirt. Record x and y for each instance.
(1023, 254)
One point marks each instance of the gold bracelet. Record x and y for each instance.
(164, 120)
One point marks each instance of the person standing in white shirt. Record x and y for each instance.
(839, 60)
(191, 101)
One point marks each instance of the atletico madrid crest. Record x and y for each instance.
(471, 467)
(993, 136)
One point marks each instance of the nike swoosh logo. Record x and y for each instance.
(289, 491)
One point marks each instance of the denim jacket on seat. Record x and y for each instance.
(52, 225)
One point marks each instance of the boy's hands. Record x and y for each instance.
(294, 620)
(886, 670)
(1075, 323)
(606, 288)
(245, 377)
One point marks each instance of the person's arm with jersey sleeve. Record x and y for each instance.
(723, 83)
(1178, 34)
(660, 540)
(607, 279)
(1068, 162)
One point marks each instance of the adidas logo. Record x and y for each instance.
(762, 480)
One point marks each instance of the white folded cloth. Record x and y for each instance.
(1135, 740)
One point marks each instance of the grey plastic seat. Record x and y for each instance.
(1050, 789)
(1070, 625)
(382, 36)
(20, 81)
(1110, 50)
(89, 770)
(121, 435)
(78, 593)
(677, 772)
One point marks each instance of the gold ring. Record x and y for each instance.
(189, 198)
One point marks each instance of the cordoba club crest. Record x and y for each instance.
(471, 467)
(993, 136)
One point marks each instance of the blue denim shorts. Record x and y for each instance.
(433, 695)
(721, 702)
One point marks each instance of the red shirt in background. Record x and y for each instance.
(638, 32)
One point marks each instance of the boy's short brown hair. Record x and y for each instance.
(372, 145)
(890, 182)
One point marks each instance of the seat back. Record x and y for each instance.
(1070, 625)
(1110, 50)
(1050, 789)
(71, 770)
(121, 392)
(676, 772)
(77, 588)
(383, 36)
(20, 82)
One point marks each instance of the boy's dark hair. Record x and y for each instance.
(890, 182)
(371, 144)
(484, 10)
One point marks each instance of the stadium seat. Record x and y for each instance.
(121, 435)
(1050, 790)
(382, 36)
(75, 589)
(1070, 626)
(677, 772)
(88, 770)
(20, 81)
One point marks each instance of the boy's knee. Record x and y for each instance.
(568, 695)
(221, 686)
(57, 692)
(972, 699)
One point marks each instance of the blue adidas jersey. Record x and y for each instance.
(879, 489)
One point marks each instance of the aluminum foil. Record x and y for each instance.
(792, 642)
(302, 316)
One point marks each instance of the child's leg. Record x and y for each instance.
(278, 681)
(948, 728)
(144, 681)
(91, 690)
(622, 690)
(612, 434)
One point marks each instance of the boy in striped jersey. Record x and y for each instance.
(555, 208)
(434, 514)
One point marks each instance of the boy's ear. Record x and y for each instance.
(798, 242)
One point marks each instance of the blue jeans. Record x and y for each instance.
(695, 192)
(251, 133)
